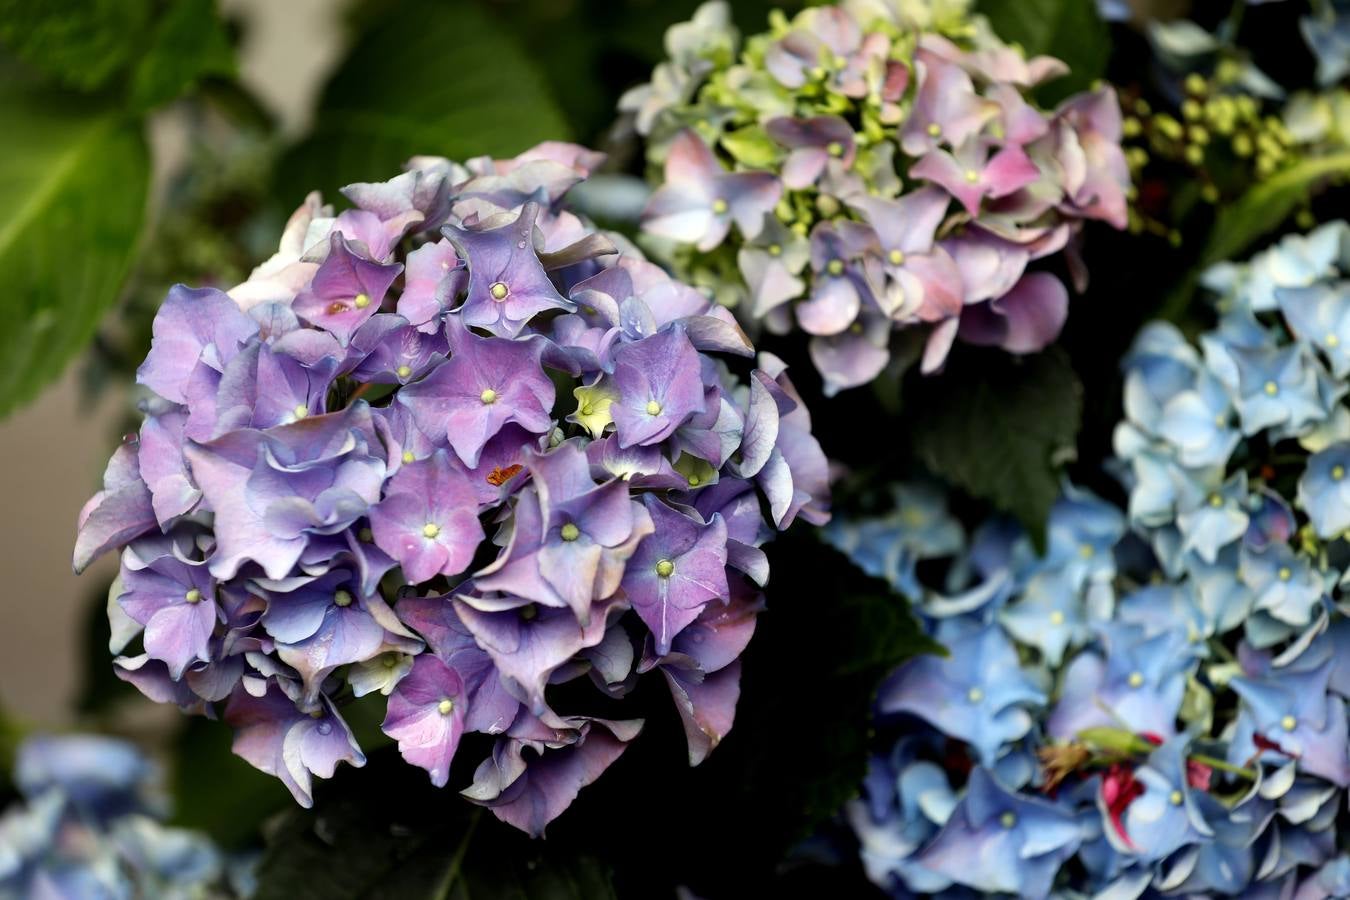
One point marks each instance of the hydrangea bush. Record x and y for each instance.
(90, 827)
(869, 166)
(1156, 704)
(456, 447)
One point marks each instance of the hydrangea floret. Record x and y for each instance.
(90, 824)
(1155, 705)
(455, 447)
(866, 167)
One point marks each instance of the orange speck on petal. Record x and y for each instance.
(499, 476)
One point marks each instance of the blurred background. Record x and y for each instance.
(154, 141)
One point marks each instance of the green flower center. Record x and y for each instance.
(570, 532)
(665, 568)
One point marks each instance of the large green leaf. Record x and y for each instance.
(429, 78)
(1267, 204)
(1001, 431)
(1070, 30)
(73, 182)
(189, 43)
(79, 43)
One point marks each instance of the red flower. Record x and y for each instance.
(1119, 790)
(1198, 775)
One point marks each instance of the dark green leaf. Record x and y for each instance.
(217, 792)
(1070, 30)
(429, 78)
(188, 44)
(79, 43)
(384, 832)
(1266, 205)
(73, 182)
(1001, 431)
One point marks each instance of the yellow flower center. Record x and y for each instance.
(1272, 388)
(193, 596)
(897, 257)
(972, 176)
(430, 530)
(934, 130)
(1289, 723)
(834, 148)
(300, 411)
(570, 532)
(653, 408)
(403, 371)
(446, 706)
(499, 290)
(719, 206)
(361, 301)
(408, 456)
(664, 568)
(1136, 679)
(488, 396)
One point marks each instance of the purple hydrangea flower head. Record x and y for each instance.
(304, 516)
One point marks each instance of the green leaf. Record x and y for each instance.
(217, 792)
(429, 78)
(1000, 432)
(1070, 30)
(384, 832)
(1266, 205)
(78, 43)
(189, 43)
(73, 183)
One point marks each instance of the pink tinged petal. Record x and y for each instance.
(907, 224)
(938, 345)
(1009, 171)
(1022, 122)
(426, 714)
(116, 514)
(1025, 320)
(435, 277)
(683, 213)
(940, 167)
(833, 306)
(853, 357)
(770, 281)
(750, 196)
(707, 706)
(940, 280)
(690, 160)
(803, 166)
